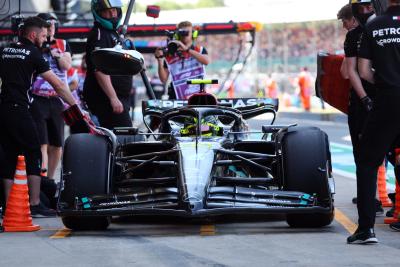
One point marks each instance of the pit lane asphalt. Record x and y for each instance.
(232, 242)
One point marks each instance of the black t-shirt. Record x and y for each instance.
(352, 41)
(20, 63)
(380, 43)
(100, 37)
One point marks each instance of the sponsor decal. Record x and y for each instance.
(17, 51)
(382, 42)
(235, 103)
(387, 35)
(386, 32)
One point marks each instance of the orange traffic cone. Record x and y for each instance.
(18, 214)
(383, 194)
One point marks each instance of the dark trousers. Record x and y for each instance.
(108, 119)
(357, 116)
(379, 135)
(18, 136)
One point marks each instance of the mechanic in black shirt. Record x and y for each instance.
(20, 63)
(362, 92)
(106, 96)
(380, 50)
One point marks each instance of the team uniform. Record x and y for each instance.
(356, 111)
(47, 106)
(94, 96)
(380, 43)
(20, 63)
(181, 68)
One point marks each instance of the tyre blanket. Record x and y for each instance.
(330, 85)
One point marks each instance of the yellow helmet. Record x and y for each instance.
(207, 128)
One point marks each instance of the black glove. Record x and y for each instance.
(367, 103)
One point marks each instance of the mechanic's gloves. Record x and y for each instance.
(367, 103)
(75, 117)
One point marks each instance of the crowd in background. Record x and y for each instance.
(279, 53)
(293, 44)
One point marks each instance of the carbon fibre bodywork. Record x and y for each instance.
(231, 172)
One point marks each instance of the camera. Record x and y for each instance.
(172, 47)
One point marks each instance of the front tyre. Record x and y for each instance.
(306, 168)
(86, 172)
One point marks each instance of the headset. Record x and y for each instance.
(179, 33)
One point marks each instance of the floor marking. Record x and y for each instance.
(61, 233)
(341, 218)
(207, 230)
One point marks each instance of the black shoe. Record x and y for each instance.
(395, 226)
(392, 197)
(363, 237)
(390, 213)
(378, 208)
(41, 211)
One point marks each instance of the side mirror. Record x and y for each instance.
(153, 11)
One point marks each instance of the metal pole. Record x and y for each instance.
(147, 84)
(127, 17)
(123, 32)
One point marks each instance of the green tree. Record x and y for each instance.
(210, 3)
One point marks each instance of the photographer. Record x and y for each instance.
(47, 107)
(182, 59)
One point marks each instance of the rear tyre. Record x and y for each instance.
(306, 166)
(86, 171)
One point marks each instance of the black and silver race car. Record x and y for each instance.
(198, 160)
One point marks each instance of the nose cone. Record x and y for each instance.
(197, 165)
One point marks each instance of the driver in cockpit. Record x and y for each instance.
(208, 127)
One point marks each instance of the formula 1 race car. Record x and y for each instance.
(198, 160)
